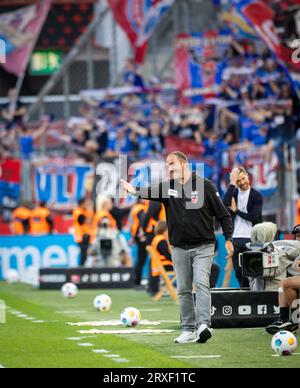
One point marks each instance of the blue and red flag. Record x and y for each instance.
(19, 31)
(139, 19)
(278, 24)
(199, 65)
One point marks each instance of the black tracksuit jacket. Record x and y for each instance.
(190, 224)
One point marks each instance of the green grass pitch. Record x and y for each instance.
(39, 337)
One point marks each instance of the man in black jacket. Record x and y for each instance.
(245, 205)
(191, 204)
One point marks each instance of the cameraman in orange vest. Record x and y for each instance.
(41, 222)
(83, 219)
(162, 252)
(21, 220)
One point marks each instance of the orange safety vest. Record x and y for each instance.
(157, 256)
(298, 213)
(134, 216)
(20, 214)
(153, 222)
(38, 221)
(81, 230)
(99, 216)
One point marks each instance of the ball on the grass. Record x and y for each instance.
(69, 290)
(284, 343)
(131, 317)
(102, 303)
(12, 276)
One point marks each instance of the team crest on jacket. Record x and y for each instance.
(194, 196)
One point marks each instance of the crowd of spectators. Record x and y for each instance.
(256, 106)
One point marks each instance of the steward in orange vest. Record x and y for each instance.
(82, 219)
(21, 220)
(137, 213)
(162, 252)
(156, 212)
(41, 222)
(298, 213)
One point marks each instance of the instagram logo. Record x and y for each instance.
(2, 51)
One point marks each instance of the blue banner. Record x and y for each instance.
(20, 253)
(62, 183)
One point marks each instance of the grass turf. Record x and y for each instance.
(25, 343)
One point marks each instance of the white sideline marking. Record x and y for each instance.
(2, 367)
(114, 323)
(38, 321)
(191, 357)
(72, 312)
(86, 345)
(169, 321)
(79, 338)
(30, 319)
(22, 316)
(100, 351)
(277, 355)
(120, 360)
(126, 331)
(112, 356)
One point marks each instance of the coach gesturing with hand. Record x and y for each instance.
(191, 204)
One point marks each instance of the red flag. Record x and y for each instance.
(275, 22)
(19, 31)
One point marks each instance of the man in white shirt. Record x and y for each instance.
(245, 205)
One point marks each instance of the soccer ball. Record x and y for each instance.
(102, 303)
(69, 290)
(284, 343)
(12, 276)
(131, 317)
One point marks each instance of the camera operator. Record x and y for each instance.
(245, 205)
(110, 248)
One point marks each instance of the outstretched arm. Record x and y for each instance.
(153, 194)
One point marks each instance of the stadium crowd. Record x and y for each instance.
(256, 107)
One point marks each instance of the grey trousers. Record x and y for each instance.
(193, 266)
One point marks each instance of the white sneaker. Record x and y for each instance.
(204, 333)
(185, 337)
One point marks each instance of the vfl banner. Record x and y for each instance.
(139, 19)
(19, 31)
(199, 65)
(61, 183)
(10, 181)
(278, 24)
